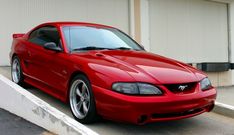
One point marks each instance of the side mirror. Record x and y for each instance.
(52, 46)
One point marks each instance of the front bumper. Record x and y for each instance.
(146, 109)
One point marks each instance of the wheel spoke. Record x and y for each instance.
(86, 97)
(78, 92)
(18, 73)
(14, 68)
(79, 104)
(85, 108)
(83, 90)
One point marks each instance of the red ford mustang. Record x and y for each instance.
(100, 71)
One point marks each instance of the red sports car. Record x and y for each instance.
(101, 71)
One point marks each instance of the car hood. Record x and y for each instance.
(143, 66)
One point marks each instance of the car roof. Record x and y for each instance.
(77, 24)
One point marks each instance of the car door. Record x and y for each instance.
(45, 66)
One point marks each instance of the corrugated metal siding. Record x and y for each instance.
(189, 30)
(21, 15)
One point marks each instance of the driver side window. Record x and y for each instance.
(44, 35)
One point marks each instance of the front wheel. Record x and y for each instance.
(16, 71)
(81, 100)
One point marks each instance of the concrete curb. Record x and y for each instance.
(224, 109)
(19, 101)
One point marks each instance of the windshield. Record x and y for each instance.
(80, 38)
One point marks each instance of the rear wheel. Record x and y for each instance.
(16, 71)
(81, 100)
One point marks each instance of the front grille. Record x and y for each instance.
(182, 88)
(177, 114)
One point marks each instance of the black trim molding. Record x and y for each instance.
(232, 66)
(215, 66)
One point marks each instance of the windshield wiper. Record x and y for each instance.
(90, 48)
(126, 48)
(122, 48)
(100, 48)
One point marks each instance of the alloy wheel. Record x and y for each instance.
(79, 99)
(16, 71)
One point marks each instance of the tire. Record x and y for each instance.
(81, 100)
(16, 71)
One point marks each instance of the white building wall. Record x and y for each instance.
(192, 31)
(19, 16)
(145, 27)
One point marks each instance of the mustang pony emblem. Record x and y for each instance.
(182, 87)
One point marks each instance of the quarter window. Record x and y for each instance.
(44, 35)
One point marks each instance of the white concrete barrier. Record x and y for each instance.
(224, 109)
(19, 101)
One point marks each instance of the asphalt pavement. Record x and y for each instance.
(11, 124)
(204, 124)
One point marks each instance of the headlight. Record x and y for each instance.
(136, 89)
(205, 84)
